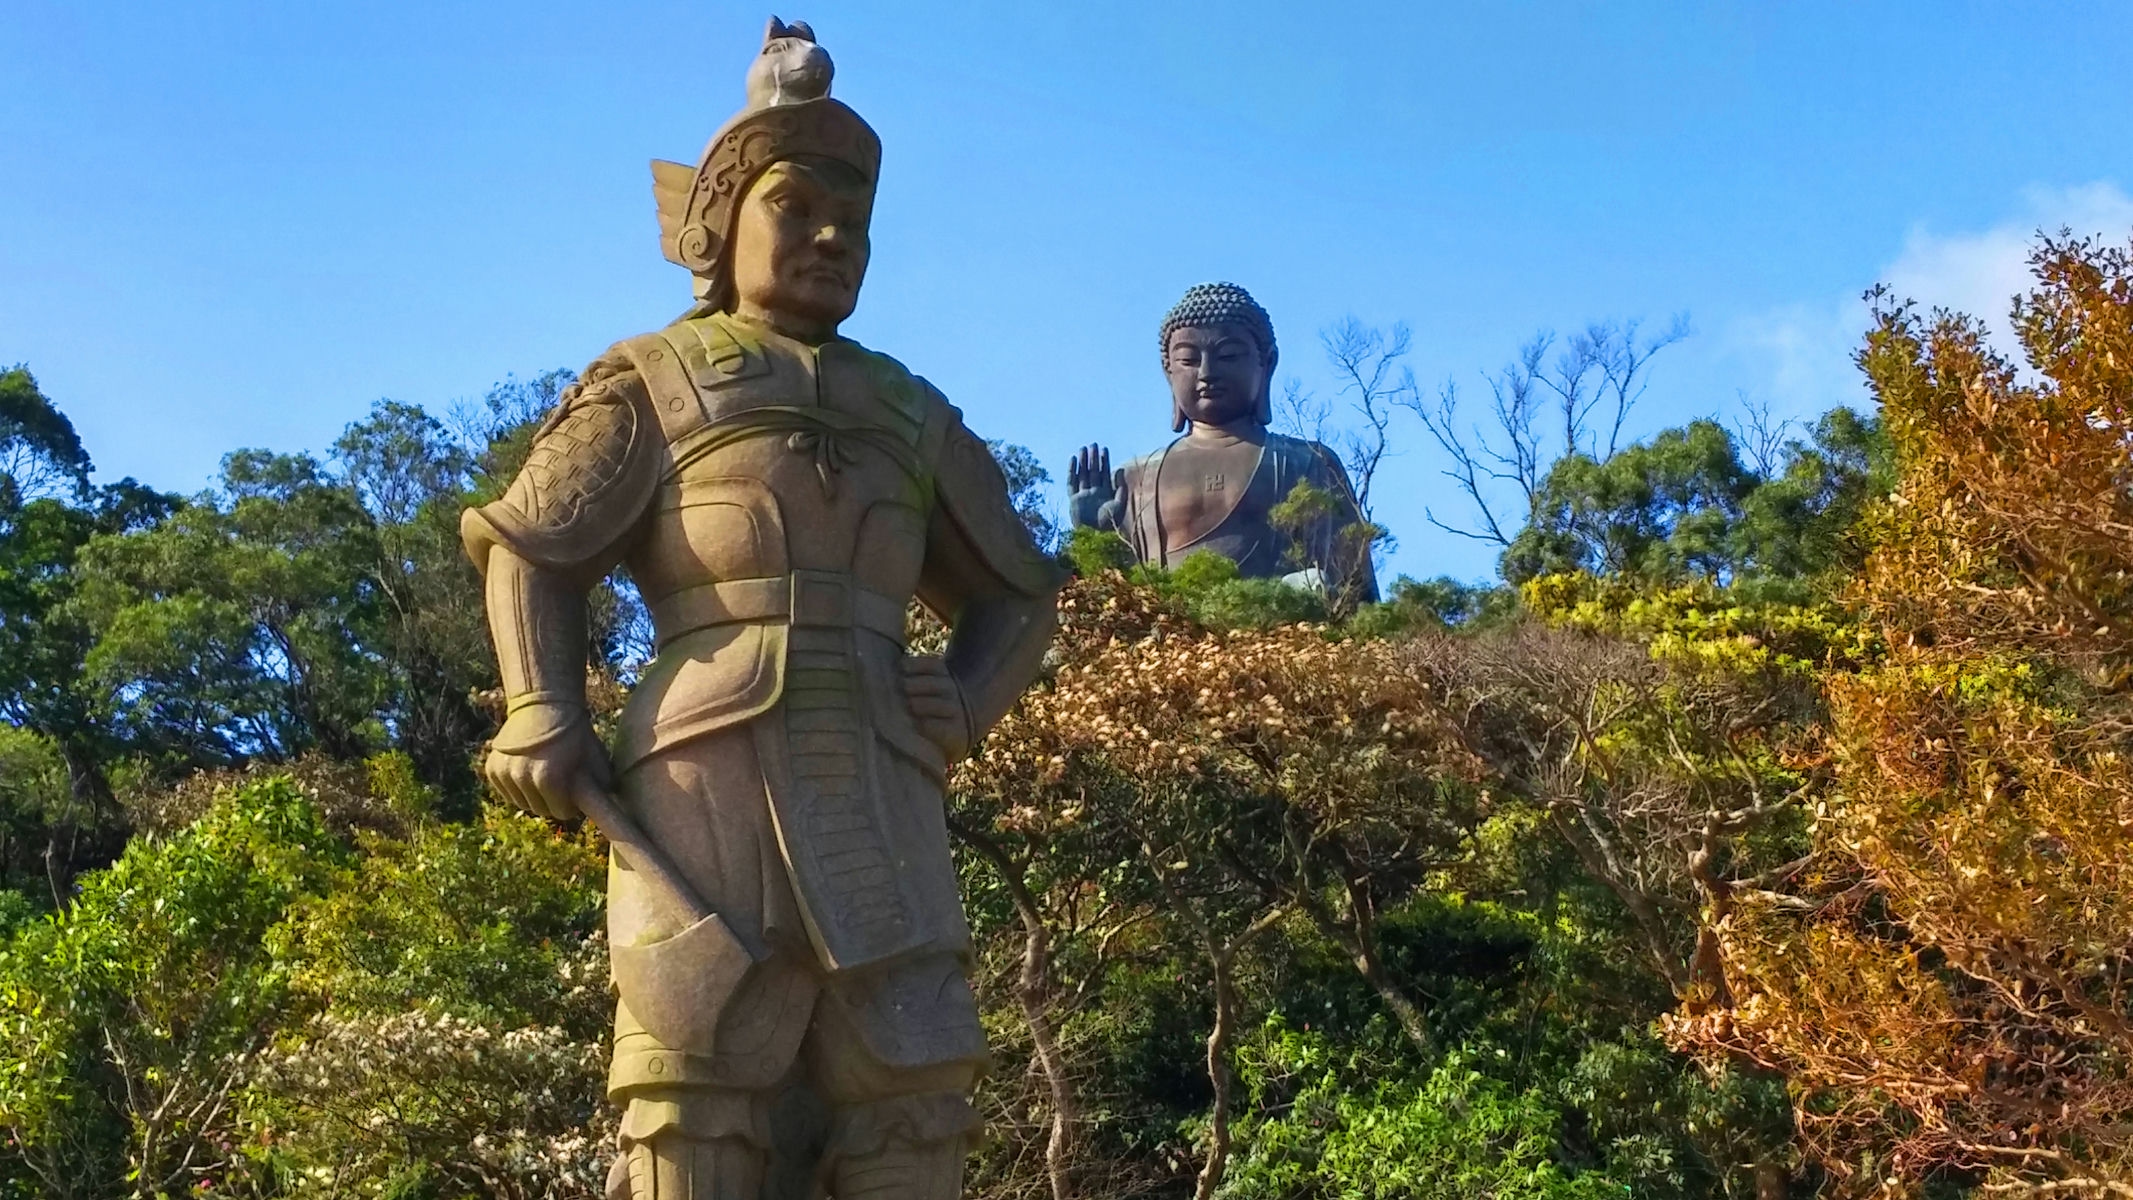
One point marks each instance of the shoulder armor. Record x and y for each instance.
(687, 366)
(908, 400)
(589, 477)
(972, 490)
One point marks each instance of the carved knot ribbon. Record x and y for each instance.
(832, 453)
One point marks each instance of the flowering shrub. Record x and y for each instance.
(370, 1105)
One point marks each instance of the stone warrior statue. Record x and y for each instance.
(1215, 487)
(789, 947)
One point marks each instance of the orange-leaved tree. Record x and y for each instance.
(1950, 990)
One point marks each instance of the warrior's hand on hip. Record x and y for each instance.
(936, 703)
(543, 755)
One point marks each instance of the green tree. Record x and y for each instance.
(48, 512)
(297, 607)
(412, 476)
(1682, 505)
(1799, 520)
(40, 454)
(1664, 508)
(233, 628)
(1028, 486)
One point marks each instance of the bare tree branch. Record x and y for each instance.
(1367, 362)
(1590, 385)
(1760, 438)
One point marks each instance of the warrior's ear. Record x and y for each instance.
(802, 30)
(775, 30)
(671, 184)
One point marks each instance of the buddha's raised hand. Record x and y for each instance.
(1091, 486)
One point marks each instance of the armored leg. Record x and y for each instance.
(904, 1163)
(690, 1145)
(896, 1052)
(711, 1016)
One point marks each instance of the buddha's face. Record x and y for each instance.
(800, 244)
(1217, 372)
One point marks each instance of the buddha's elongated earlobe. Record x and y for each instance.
(1265, 409)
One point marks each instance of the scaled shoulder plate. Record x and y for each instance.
(588, 478)
(578, 457)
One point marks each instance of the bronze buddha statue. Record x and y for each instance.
(1216, 487)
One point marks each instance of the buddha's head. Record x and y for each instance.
(774, 214)
(1219, 355)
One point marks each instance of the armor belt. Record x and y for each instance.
(803, 598)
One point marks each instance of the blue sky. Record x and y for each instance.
(228, 224)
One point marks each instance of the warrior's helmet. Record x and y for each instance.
(789, 115)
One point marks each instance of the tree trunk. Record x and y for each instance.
(1372, 966)
(1650, 923)
(1035, 993)
(96, 815)
(1218, 1073)
(1033, 990)
(1358, 939)
(86, 782)
(1221, 955)
(1404, 1010)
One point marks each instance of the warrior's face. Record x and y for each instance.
(800, 246)
(1217, 372)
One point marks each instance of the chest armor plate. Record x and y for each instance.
(786, 540)
(783, 457)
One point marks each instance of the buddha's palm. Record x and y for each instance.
(1092, 487)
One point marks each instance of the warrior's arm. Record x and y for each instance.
(996, 644)
(546, 745)
(538, 623)
(561, 525)
(988, 580)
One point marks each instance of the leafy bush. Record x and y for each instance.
(489, 922)
(255, 1001)
(126, 1020)
(1452, 1135)
(1946, 981)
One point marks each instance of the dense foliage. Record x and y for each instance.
(1762, 833)
(1946, 982)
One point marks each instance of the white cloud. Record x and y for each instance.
(1804, 354)
(1981, 273)
(1804, 350)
